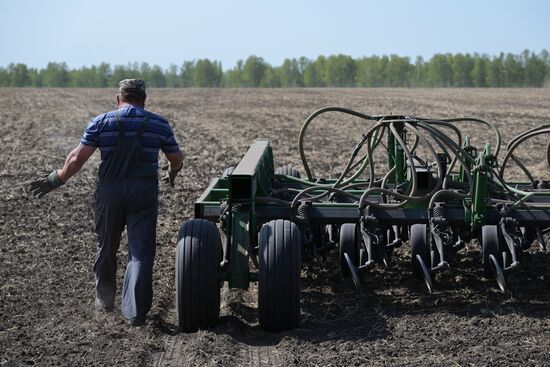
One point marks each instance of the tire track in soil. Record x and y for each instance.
(165, 358)
(255, 352)
(246, 351)
(259, 356)
(176, 347)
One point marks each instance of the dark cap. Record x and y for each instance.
(133, 88)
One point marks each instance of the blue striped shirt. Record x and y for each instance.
(102, 132)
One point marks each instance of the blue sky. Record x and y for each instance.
(162, 32)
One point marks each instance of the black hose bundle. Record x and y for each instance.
(421, 129)
(427, 133)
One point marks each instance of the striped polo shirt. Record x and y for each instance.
(102, 132)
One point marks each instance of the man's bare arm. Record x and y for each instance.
(75, 160)
(175, 159)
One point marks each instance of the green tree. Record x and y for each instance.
(479, 71)
(152, 75)
(186, 74)
(462, 66)
(120, 72)
(253, 71)
(19, 75)
(155, 78)
(291, 73)
(144, 71)
(207, 74)
(418, 78)
(313, 73)
(366, 74)
(440, 72)
(545, 58)
(4, 78)
(271, 78)
(84, 77)
(55, 75)
(34, 75)
(172, 78)
(103, 75)
(495, 72)
(340, 71)
(233, 77)
(513, 71)
(398, 71)
(526, 69)
(535, 71)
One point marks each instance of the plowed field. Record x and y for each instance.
(47, 313)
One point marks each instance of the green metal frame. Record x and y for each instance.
(251, 178)
(482, 169)
(254, 175)
(396, 156)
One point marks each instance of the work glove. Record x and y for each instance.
(171, 176)
(45, 184)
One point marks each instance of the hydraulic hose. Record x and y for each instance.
(310, 119)
(455, 148)
(516, 142)
(412, 190)
(421, 129)
(489, 124)
(297, 198)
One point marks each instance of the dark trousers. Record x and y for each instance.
(134, 204)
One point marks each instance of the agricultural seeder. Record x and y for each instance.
(438, 193)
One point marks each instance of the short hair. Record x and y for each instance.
(132, 90)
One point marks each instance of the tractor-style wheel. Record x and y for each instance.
(419, 246)
(350, 244)
(279, 275)
(198, 255)
(288, 170)
(490, 245)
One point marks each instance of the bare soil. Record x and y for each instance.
(47, 314)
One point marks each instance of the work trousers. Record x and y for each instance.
(132, 203)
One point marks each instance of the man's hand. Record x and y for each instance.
(171, 176)
(45, 184)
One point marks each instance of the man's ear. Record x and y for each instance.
(117, 99)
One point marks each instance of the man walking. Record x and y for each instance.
(129, 140)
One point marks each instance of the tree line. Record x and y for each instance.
(526, 69)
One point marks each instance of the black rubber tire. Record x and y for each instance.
(419, 246)
(228, 171)
(349, 237)
(490, 246)
(198, 255)
(289, 171)
(279, 279)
